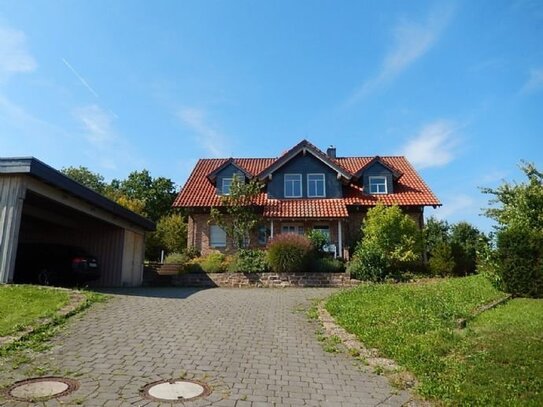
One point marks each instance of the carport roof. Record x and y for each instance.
(38, 169)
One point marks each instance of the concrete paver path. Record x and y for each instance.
(253, 346)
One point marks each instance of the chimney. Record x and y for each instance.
(331, 152)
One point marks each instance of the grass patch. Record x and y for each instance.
(495, 361)
(37, 340)
(22, 306)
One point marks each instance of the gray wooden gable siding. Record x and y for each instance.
(304, 165)
(226, 172)
(377, 169)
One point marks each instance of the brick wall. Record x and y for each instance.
(264, 280)
(198, 230)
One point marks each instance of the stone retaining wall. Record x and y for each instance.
(264, 280)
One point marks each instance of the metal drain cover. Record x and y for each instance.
(41, 388)
(176, 390)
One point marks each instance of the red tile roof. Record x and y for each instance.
(305, 208)
(409, 189)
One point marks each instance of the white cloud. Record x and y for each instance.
(14, 55)
(534, 82)
(412, 40)
(105, 145)
(434, 145)
(459, 206)
(212, 140)
(98, 125)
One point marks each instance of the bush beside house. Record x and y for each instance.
(391, 245)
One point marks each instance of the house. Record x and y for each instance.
(304, 188)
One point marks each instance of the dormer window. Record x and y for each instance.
(316, 186)
(226, 184)
(293, 185)
(378, 185)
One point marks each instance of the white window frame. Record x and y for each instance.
(299, 176)
(298, 228)
(323, 186)
(378, 177)
(222, 186)
(213, 243)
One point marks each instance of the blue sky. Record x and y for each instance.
(123, 85)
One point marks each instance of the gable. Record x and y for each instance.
(305, 148)
(229, 171)
(304, 165)
(376, 169)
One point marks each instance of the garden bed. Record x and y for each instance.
(305, 279)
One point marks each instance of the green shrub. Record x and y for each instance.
(289, 252)
(318, 239)
(326, 265)
(391, 245)
(370, 264)
(249, 261)
(519, 261)
(176, 258)
(213, 263)
(192, 252)
(442, 261)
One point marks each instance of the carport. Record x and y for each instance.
(40, 204)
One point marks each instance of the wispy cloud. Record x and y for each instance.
(97, 123)
(433, 146)
(104, 142)
(456, 207)
(412, 40)
(81, 79)
(534, 82)
(14, 55)
(212, 140)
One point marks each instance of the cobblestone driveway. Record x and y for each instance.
(254, 346)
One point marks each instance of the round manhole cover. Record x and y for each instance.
(41, 388)
(176, 390)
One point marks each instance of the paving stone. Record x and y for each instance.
(250, 345)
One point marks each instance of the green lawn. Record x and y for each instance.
(497, 360)
(23, 305)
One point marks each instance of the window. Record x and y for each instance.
(293, 185)
(292, 228)
(315, 186)
(378, 185)
(217, 236)
(263, 233)
(226, 184)
(325, 229)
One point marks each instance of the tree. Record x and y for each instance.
(237, 215)
(466, 241)
(158, 194)
(436, 231)
(519, 204)
(86, 177)
(442, 261)
(170, 235)
(391, 244)
(516, 265)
